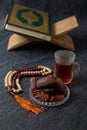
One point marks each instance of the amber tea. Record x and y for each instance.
(64, 72)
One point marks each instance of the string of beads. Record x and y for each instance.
(13, 77)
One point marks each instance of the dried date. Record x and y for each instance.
(40, 95)
(33, 81)
(56, 98)
(46, 82)
(61, 89)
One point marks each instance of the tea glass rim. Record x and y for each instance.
(65, 51)
(65, 55)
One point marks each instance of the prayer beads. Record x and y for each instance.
(13, 77)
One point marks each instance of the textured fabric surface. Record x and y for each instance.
(73, 114)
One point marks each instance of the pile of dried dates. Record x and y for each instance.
(47, 89)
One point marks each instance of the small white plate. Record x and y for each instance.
(50, 103)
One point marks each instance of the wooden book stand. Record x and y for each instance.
(59, 35)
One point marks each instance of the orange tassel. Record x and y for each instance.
(26, 104)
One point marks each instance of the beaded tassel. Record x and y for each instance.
(26, 104)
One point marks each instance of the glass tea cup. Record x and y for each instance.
(65, 65)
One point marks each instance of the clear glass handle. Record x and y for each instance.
(76, 68)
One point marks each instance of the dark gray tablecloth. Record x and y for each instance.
(73, 114)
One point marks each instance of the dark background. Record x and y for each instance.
(73, 114)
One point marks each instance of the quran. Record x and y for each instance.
(29, 21)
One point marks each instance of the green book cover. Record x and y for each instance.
(29, 21)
